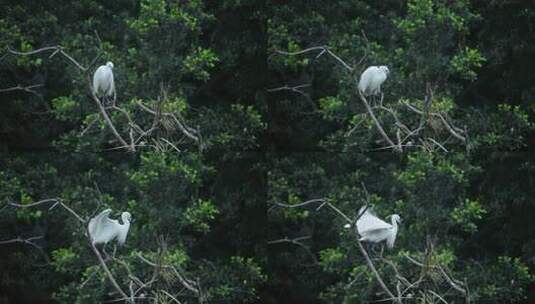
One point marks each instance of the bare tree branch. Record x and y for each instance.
(21, 240)
(109, 274)
(28, 241)
(296, 241)
(188, 284)
(449, 127)
(19, 87)
(323, 201)
(107, 119)
(378, 124)
(288, 88)
(57, 49)
(56, 201)
(374, 270)
(323, 49)
(187, 131)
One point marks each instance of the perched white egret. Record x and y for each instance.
(102, 229)
(372, 229)
(372, 79)
(103, 84)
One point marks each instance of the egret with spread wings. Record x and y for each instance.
(373, 229)
(103, 230)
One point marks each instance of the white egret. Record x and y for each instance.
(372, 229)
(103, 84)
(371, 80)
(102, 229)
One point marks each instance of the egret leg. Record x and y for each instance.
(114, 250)
(106, 102)
(106, 255)
(381, 100)
(368, 246)
(382, 249)
(377, 252)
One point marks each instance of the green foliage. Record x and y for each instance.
(509, 280)
(238, 280)
(329, 258)
(331, 107)
(199, 63)
(64, 107)
(199, 214)
(65, 260)
(466, 61)
(466, 214)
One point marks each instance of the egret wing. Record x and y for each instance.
(98, 223)
(365, 79)
(368, 222)
(103, 83)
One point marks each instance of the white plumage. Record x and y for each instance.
(103, 83)
(372, 229)
(102, 229)
(372, 79)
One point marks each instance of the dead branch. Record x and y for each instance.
(288, 88)
(19, 87)
(459, 286)
(187, 131)
(323, 201)
(109, 274)
(297, 90)
(107, 119)
(378, 124)
(58, 49)
(452, 129)
(188, 284)
(21, 240)
(316, 200)
(56, 201)
(296, 241)
(323, 49)
(374, 270)
(28, 241)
